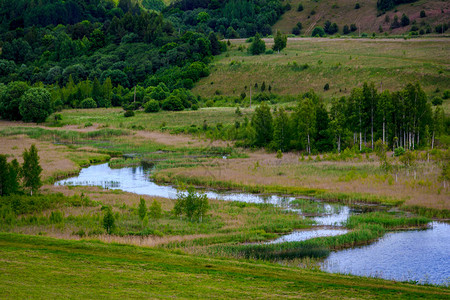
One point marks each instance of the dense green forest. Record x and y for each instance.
(231, 18)
(84, 50)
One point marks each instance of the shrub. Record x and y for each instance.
(172, 103)
(155, 210)
(300, 7)
(258, 46)
(405, 20)
(437, 101)
(357, 6)
(446, 94)
(88, 103)
(318, 32)
(191, 204)
(399, 151)
(346, 29)
(56, 217)
(353, 27)
(35, 105)
(194, 107)
(109, 221)
(128, 113)
(423, 14)
(152, 106)
(142, 210)
(326, 87)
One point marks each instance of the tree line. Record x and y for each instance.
(16, 178)
(404, 118)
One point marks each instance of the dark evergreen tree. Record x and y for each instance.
(31, 170)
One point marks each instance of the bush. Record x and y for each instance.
(258, 46)
(357, 6)
(269, 51)
(405, 20)
(172, 103)
(399, 151)
(88, 103)
(152, 106)
(35, 105)
(446, 94)
(155, 210)
(318, 32)
(326, 87)
(56, 217)
(423, 14)
(191, 204)
(300, 7)
(437, 101)
(346, 29)
(194, 107)
(109, 221)
(128, 113)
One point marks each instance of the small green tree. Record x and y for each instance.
(192, 204)
(280, 41)
(380, 151)
(109, 221)
(155, 210)
(31, 170)
(258, 46)
(142, 210)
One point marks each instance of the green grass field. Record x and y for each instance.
(40, 267)
(342, 63)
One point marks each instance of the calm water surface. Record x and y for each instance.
(417, 255)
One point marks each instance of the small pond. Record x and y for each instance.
(418, 255)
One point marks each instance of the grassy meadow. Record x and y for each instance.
(87, 268)
(343, 63)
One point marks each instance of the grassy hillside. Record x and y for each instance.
(343, 63)
(343, 12)
(39, 267)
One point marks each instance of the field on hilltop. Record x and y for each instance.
(311, 63)
(366, 18)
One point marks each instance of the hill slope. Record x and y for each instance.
(343, 12)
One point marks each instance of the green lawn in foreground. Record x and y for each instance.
(39, 267)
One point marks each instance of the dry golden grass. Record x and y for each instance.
(264, 169)
(52, 157)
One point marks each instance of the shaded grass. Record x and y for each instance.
(36, 267)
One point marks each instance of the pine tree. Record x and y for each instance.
(142, 210)
(31, 170)
(280, 41)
